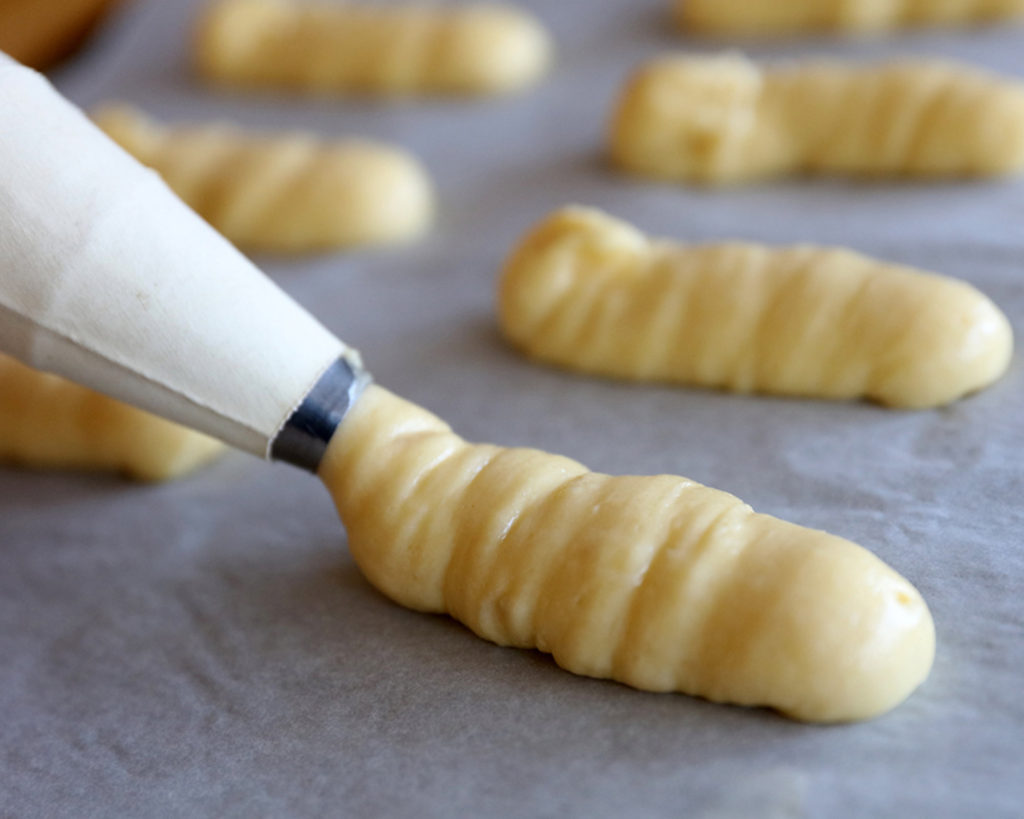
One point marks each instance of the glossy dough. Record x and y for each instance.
(658, 582)
(287, 193)
(758, 17)
(722, 120)
(49, 423)
(480, 48)
(591, 293)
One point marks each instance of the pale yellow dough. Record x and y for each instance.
(589, 292)
(774, 17)
(49, 423)
(725, 120)
(657, 582)
(284, 193)
(366, 48)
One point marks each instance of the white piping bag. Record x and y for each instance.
(108, 279)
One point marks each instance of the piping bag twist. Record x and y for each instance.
(657, 582)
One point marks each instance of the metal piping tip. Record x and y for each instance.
(303, 439)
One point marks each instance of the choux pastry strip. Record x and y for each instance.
(760, 18)
(47, 422)
(658, 582)
(285, 193)
(725, 120)
(588, 292)
(363, 48)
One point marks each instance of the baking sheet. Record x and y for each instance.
(209, 649)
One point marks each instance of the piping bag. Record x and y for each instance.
(107, 279)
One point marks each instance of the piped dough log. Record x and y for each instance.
(362, 48)
(49, 423)
(285, 193)
(591, 293)
(778, 17)
(725, 120)
(657, 582)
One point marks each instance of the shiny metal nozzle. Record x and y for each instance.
(303, 439)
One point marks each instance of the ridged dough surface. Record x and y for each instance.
(589, 292)
(366, 48)
(725, 120)
(47, 422)
(773, 17)
(283, 193)
(656, 582)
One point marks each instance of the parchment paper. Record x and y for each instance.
(209, 649)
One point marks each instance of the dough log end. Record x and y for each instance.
(180, 452)
(129, 128)
(504, 50)
(962, 343)
(372, 195)
(227, 35)
(689, 119)
(546, 263)
(858, 639)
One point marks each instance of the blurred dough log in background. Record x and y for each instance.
(41, 32)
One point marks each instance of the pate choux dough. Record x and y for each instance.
(722, 120)
(774, 17)
(657, 582)
(341, 47)
(288, 193)
(589, 292)
(49, 423)
(41, 32)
